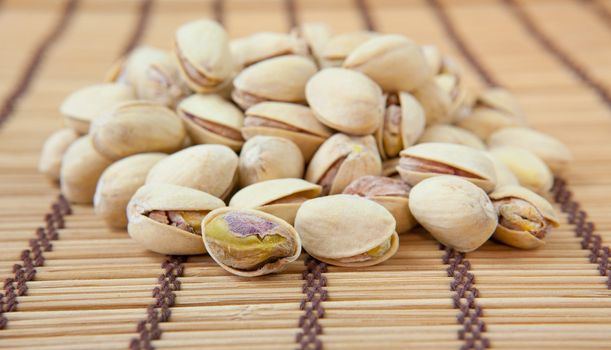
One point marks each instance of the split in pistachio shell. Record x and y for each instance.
(346, 100)
(338, 47)
(204, 59)
(391, 193)
(435, 101)
(389, 168)
(433, 159)
(454, 211)
(288, 120)
(530, 170)
(167, 218)
(403, 123)
(462, 99)
(525, 218)
(504, 176)
(279, 197)
(81, 107)
(342, 159)
(53, 150)
(208, 168)
(347, 230)
(315, 35)
(212, 119)
(118, 184)
(451, 134)
(269, 157)
(249, 242)
(263, 45)
(281, 79)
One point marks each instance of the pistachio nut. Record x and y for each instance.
(281, 79)
(530, 170)
(433, 159)
(451, 134)
(338, 47)
(269, 157)
(264, 45)
(403, 123)
(501, 100)
(212, 119)
(504, 176)
(342, 159)
(53, 150)
(167, 219)
(316, 35)
(393, 61)
(392, 194)
(435, 101)
(81, 167)
(288, 120)
(551, 151)
(118, 184)
(438, 63)
(279, 197)
(461, 98)
(347, 230)
(389, 168)
(455, 211)
(249, 242)
(208, 168)
(84, 105)
(525, 218)
(346, 100)
(204, 59)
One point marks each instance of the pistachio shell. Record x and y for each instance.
(316, 35)
(345, 100)
(433, 57)
(269, 157)
(53, 150)
(165, 238)
(530, 170)
(504, 176)
(338, 47)
(501, 100)
(451, 134)
(435, 101)
(263, 45)
(456, 212)
(400, 130)
(484, 121)
(389, 167)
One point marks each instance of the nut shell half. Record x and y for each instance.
(53, 151)
(530, 170)
(269, 157)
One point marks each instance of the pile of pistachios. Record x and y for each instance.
(249, 149)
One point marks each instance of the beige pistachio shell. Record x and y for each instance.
(501, 100)
(346, 100)
(460, 96)
(433, 57)
(504, 176)
(410, 127)
(208, 168)
(530, 170)
(316, 35)
(53, 150)
(81, 167)
(263, 45)
(84, 105)
(244, 223)
(484, 121)
(118, 184)
(223, 120)
(338, 47)
(269, 157)
(164, 238)
(389, 167)
(451, 134)
(435, 101)
(456, 212)
(553, 152)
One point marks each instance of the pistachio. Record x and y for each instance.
(269, 157)
(167, 218)
(433, 159)
(461, 98)
(211, 119)
(389, 168)
(338, 47)
(208, 168)
(403, 123)
(364, 235)
(346, 100)
(342, 159)
(438, 63)
(455, 211)
(316, 35)
(435, 101)
(264, 45)
(504, 176)
(501, 100)
(249, 242)
(530, 170)
(53, 150)
(451, 134)
(118, 184)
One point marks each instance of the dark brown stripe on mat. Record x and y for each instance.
(36, 59)
(314, 283)
(600, 10)
(218, 11)
(365, 13)
(291, 13)
(143, 19)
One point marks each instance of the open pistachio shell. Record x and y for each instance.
(461, 97)
(501, 100)
(530, 170)
(389, 167)
(338, 47)
(433, 159)
(316, 35)
(435, 101)
(53, 151)
(484, 121)
(403, 123)
(269, 157)
(263, 45)
(279, 197)
(212, 119)
(504, 176)
(364, 235)
(434, 58)
(451, 134)
(167, 218)
(455, 211)
(249, 242)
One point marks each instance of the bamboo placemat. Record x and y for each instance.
(69, 282)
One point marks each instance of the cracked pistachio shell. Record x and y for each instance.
(202, 51)
(248, 242)
(291, 121)
(81, 107)
(338, 47)
(208, 168)
(394, 135)
(269, 157)
(456, 158)
(454, 211)
(551, 151)
(501, 100)
(164, 238)
(316, 35)
(530, 170)
(81, 167)
(435, 101)
(389, 167)
(118, 184)
(342, 159)
(393, 61)
(263, 45)
(212, 119)
(484, 121)
(281, 79)
(451, 134)
(53, 150)
(279, 197)
(504, 176)
(346, 100)
(460, 96)
(337, 235)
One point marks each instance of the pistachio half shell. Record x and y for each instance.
(338, 47)
(436, 102)
(451, 134)
(53, 150)
(530, 170)
(504, 176)
(269, 157)
(263, 45)
(403, 123)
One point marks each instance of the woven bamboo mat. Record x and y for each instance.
(71, 283)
